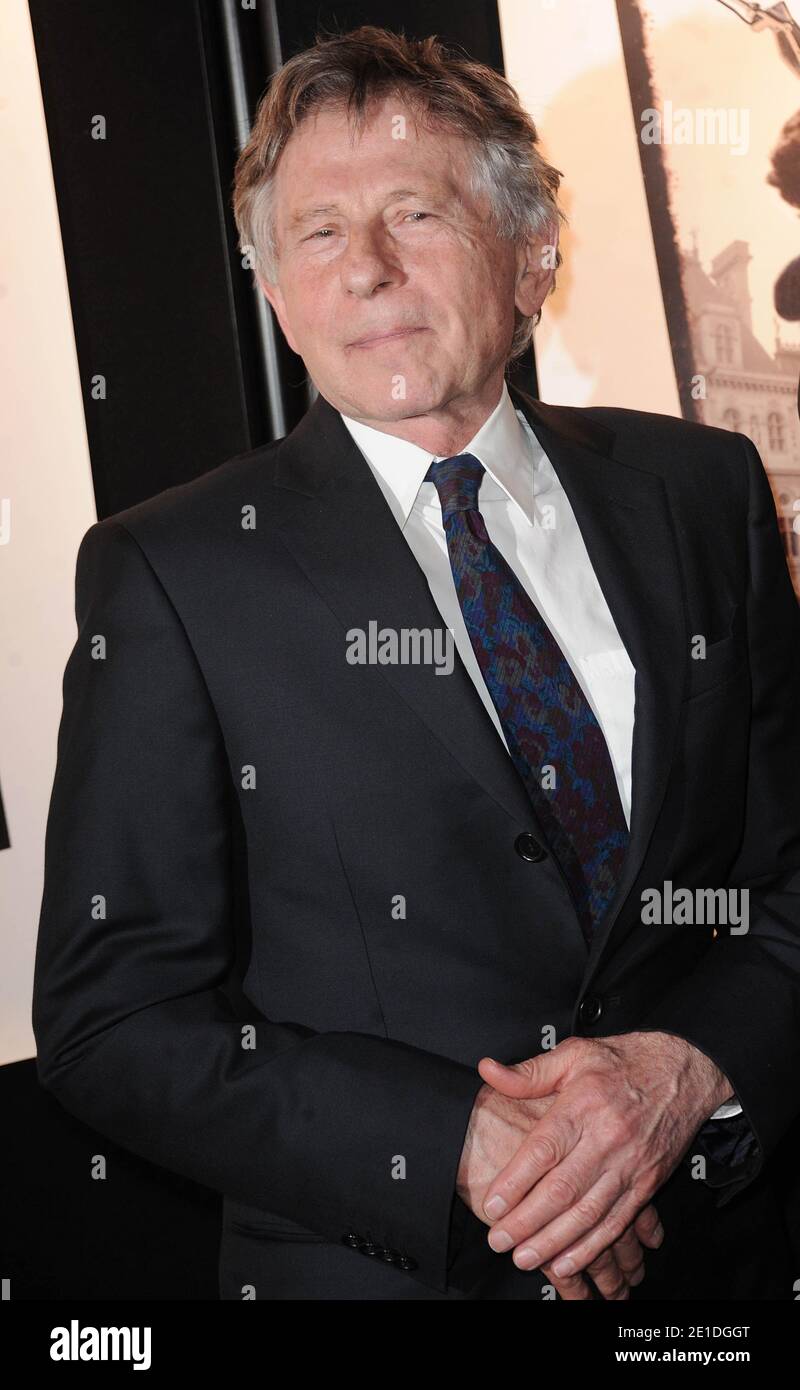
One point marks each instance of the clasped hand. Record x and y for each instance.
(564, 1151)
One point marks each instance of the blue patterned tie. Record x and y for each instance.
(553, 737)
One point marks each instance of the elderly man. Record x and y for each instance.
(384, 947)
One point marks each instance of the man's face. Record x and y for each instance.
(392, 285)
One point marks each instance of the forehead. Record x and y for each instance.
(393, 148)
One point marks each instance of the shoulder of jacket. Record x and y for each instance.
(656, 424)
(194, 504)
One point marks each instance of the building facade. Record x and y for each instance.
(740, 385)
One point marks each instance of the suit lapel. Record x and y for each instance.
(338, 526)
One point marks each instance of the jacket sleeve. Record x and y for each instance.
(741, 1005)
(135, 1032)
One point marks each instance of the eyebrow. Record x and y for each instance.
(308, 213)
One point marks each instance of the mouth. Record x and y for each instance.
(375, 339)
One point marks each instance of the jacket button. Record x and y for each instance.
(528, 847)
(368, 1248)
(406, 1262)
(351, 1239)
(590, 1009)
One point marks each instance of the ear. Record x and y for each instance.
(536, 268)
(275, 297)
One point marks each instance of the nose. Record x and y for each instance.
(368, 262)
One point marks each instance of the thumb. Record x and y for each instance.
(536, 1076)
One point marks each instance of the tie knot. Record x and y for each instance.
(457, 481)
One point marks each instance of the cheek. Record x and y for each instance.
(307, 309)
(315, 326)
(473, 294)
(307, 299)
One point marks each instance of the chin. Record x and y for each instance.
(374, 400)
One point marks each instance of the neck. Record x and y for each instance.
(447, 429)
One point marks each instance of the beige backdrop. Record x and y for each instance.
(45, 484)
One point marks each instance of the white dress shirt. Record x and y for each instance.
(530, 521)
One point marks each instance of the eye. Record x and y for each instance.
(319, 232)
(417, 214)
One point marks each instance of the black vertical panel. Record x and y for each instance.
(146, 240)
(162, 308)
(474, 26)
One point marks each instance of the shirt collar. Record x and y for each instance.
(505, 445)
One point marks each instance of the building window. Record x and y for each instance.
(775, 431)
(732, 420)
(755, 429)
(723, 342)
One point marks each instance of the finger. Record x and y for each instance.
(538, 1238)
(550, 1175)
(536, 1076)
(579, 1256)
(571, 1289)
(628, 1252)
(613, 1274)
(607, 1275)
(648, 1227)
(549, 1142)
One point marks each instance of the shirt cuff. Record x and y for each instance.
(727, 1110)
(729, 1147)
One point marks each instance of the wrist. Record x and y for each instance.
(707, 1081)
(715, 1087)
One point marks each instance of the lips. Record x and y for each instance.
(387, 336)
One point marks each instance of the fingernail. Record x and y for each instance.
(526, 1257)
(562, 1268)
(495, 1207)
(658, 1234)
(500, 1241)
(637, 1277)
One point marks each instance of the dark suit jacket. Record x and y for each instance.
(223, 982)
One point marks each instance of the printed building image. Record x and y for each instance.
(746, 387)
